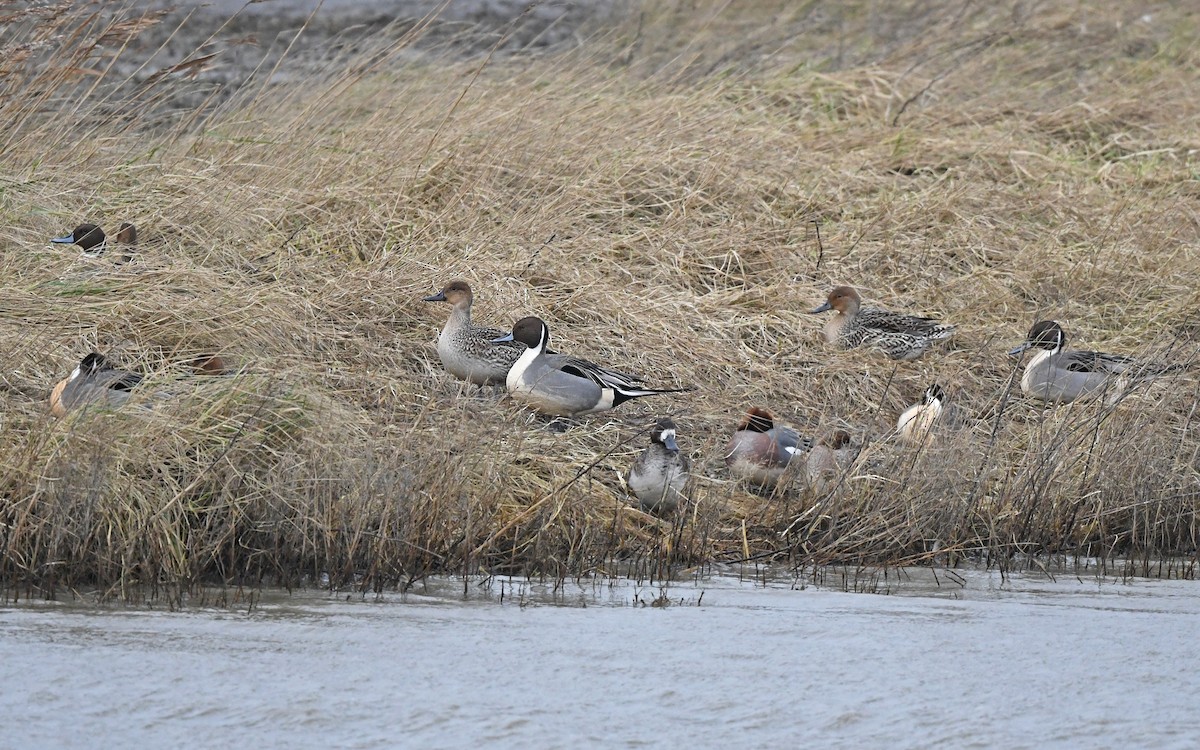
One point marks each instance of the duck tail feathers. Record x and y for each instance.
(622, 394)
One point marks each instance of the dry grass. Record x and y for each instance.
(653, 192)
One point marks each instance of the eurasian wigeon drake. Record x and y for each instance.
(558, 385)
(761, 452)
(900, 336)
(660, 472)
(1059, 375)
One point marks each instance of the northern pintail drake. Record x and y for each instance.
(827, 460)
(470, 352)
(94, 242)
(660, 473)
(897, 335)
(1059, 375)
(562, 386)
(761, 452)
(918, 421)
(94, 381)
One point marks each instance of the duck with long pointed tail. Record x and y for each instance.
(761, 452)
(471, 352)
(1059, 375)
(898, 335)
(563, 386)
(94, 381)
(94, 241)
(660, 473)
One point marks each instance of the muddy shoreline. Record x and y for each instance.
(295, 38)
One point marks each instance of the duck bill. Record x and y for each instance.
(439, 297)
(669, 442)
(1017, 351)
(69, 239)
(502, 339)
(821, 309)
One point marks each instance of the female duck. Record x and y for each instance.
(468, 351)
(94, 381)
(1059, 376)
(660, 473)
(900, 336)
(564, 386)
(827, 460)
(760, 452)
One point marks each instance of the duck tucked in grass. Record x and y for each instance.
(1059, 375)
(660, 473)
(900, 336)
(919, 420)
(470, 352)
(94, 381)
(760, 452)
(827, 460)
(94, 242)
(563, 386)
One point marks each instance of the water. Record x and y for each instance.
(1023, 663)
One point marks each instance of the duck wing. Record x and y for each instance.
(894, 322)
(605, 377)
(118, 380)
(790, 441)
(1078, 360)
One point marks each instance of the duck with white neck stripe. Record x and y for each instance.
(562, 386)
(94, 241)
(1059, 375)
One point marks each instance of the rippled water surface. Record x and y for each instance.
(1022, 662)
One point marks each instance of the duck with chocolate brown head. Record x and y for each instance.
(92, 239)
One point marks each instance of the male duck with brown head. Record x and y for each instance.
(94, 242)
(1059, 375)
(562, 386)
(900, 336)
(660, 473)
(761, 452)
(94, 381)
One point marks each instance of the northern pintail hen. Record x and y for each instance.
(897, 335)
(918, 421)
(468, 351)
(94, 242)
(761, 452)
(473, 353)
(660, 473)
(1059, 375)
(827, 460)
(94, 381)
(564, 386)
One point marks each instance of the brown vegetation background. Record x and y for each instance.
(671, 188)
